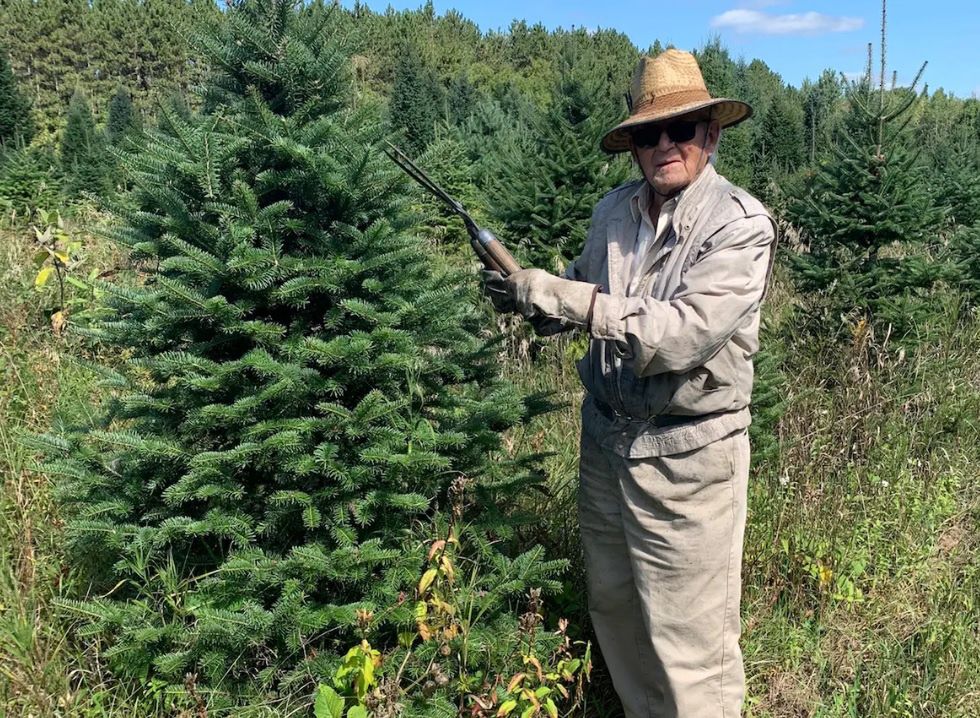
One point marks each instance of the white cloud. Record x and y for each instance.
(807, 23)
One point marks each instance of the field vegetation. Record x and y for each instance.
(862, 558)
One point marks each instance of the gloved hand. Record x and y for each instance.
(499, 291)
(537, 295)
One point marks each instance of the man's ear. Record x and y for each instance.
(714, 132)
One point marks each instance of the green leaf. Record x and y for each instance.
(43, 276)
(328, 704)
(506, 708)
(551, 708)
(357, 712)
(427, 578)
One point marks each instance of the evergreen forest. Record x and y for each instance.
(266, 450)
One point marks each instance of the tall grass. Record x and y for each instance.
(861, 558)
(44, 671)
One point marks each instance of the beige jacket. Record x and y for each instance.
(683, 345)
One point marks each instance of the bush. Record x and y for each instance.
(29, 178)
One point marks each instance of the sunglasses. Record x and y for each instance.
(649, 135)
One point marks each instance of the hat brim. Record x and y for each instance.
(726, 112)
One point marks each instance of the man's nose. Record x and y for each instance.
(664, 144)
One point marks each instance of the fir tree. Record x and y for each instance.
(416, 100)
(780, 143)
(448, 162)
(964, 257)
(543, 205)
(461, 99)
(721, 76)
(303, 403)
(864, 203)
(15, 109)
(123, 121)
(821, 102)
(83, 158)
(29, 178)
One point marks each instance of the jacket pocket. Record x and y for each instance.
(708, 389)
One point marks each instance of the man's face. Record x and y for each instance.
(670, 165)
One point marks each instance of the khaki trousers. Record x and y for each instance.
(663, 552)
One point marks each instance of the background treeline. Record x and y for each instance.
(201, 239)
(476, 104)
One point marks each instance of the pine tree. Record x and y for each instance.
(15, 109)
(303, 403)
(123, 121)
(862, 204)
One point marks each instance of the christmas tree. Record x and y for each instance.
(123, 120)
(83, 158)
(543, 206)
(416, 99)
(303, 409)
(866, 215)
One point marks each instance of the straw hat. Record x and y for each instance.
(667, 86)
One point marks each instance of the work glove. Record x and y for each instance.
(495, 286)
(551, 303)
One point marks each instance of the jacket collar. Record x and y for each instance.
(693, 196)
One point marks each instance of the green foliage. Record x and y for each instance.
(84, 161)
(543, 207)
(460, 645)
(59, 45)
(15, 109)
(416, 100)
(29, 178)
(861, 502)
(865, 214)
(964, 255)
(448, 163)
(955, 182)
(123, 122)
(302, 395)
(781, 143)
(821, 106)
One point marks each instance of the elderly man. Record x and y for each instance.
(668, 286)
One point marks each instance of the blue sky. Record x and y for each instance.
(796, 38)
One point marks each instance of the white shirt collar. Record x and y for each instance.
(643, 196)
